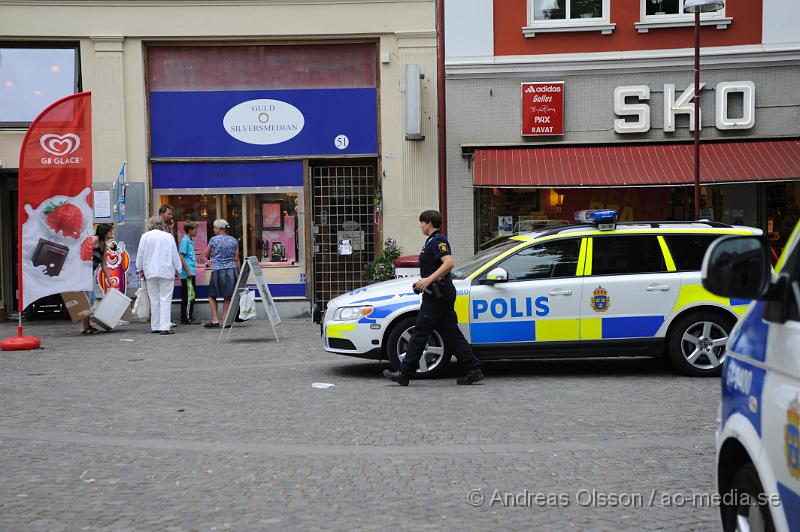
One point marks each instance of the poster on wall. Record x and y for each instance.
(505, 225)
(542, 108)
(55, 201)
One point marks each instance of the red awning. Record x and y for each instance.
(637, 164)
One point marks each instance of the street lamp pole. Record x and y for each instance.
(697, 7)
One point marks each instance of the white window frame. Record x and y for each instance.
(601, 24)
(681, 19)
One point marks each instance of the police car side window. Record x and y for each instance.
(619, 255)
(543, 261)
(688, 250)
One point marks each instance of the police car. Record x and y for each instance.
(596, 288)
(758, 442)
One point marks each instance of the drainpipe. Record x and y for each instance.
(440, 112)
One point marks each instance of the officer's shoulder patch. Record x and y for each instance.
(443, 247)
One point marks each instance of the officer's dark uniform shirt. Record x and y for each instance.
(436, 247)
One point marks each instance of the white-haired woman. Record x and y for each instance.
(158, 264)
(223, 250)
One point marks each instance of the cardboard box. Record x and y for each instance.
(77, 305)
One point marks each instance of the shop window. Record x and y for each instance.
(561, 15)
(274, 237)
(268, 226)
(620, 255)
(688, 250)
(504, 211)
(31, 78)
(544, 261)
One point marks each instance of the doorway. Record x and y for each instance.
(343, 209)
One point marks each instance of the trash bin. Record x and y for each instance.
(407, 266)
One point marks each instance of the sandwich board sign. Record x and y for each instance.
(249, 267)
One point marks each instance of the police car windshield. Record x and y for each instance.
(469, 266)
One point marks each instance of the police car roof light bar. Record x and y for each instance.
(604, 219)
(596, 217)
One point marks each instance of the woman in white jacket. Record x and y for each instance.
(157, 262)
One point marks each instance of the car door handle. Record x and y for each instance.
(560, 292)
(658, 288)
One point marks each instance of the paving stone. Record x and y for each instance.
(183, 433)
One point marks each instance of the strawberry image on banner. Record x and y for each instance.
(55, 201)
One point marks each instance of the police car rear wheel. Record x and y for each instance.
(748, 511)
(434, 359)
(697, 343)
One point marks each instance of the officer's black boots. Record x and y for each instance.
(397, 376)
(471, 377)
(401, 378)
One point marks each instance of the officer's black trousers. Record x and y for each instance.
(438, 313)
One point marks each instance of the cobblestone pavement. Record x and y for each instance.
(128, 430)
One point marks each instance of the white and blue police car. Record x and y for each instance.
(758, 441)
(596, 288)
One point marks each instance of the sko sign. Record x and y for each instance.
(630, 104)
(543, 108)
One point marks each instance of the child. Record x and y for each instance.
(186, 253)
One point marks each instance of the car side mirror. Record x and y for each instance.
(738, 267)
(497, 275)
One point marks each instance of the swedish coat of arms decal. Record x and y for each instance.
(600, 300)
(791, 439)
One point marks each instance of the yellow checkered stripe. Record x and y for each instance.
(339, 330)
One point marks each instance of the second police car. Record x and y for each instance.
(758, 441)
(596, 288)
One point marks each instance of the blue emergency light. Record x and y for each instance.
(604, 219)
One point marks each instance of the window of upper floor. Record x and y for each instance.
(670, 14)
(568, 15)
(34, 76)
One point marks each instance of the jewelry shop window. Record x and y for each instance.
(268, 225)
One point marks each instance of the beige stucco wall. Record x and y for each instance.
(112, 33)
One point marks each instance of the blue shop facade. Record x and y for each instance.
(282, 142)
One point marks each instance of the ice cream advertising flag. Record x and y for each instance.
(55, 201)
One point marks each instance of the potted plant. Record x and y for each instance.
(382, 267)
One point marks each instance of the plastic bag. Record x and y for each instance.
(141, 306)
(192, 295)
(247, 305)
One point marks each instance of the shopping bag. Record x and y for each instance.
(247, 305)
(141, 306)
(192, 295)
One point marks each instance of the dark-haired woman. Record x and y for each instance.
(102, 236)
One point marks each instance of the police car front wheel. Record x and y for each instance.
(697, 343)
(746, 509)
(434, 359)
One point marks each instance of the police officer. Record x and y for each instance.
(436, 312)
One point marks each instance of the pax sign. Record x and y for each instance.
(543, 108)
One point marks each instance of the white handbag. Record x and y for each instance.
(247, 305)
(141, 306)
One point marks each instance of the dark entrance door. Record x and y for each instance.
(342, 205)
